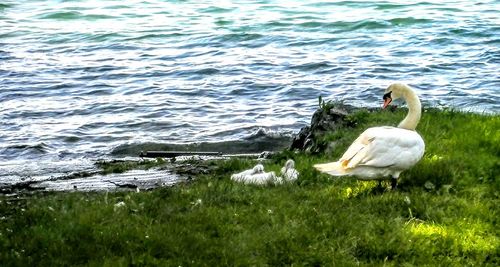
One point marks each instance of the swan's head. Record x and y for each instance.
(393, 92)
(290, 164)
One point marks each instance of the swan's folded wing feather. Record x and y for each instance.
(357, 146)
(385, 146)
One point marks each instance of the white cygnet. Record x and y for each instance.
(289, 172)
(260, 178)
(240, 177)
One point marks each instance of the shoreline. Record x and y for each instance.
(443, 213)
(331, 117)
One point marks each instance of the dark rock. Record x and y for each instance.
(301, 138)
(326, 119)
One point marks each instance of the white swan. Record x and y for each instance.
(384, 151)
(262, 178)
(289, 172)
(239, 177)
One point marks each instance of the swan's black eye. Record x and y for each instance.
(388, 95)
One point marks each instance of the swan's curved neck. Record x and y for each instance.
(411, 120)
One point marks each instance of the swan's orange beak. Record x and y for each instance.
(387, 101)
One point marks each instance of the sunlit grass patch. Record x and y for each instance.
(464, 237)
(359, 188)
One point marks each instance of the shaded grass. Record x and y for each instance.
(445, 212)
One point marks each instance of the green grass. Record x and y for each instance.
(445, 212)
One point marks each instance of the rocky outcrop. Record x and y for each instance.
(326, 119)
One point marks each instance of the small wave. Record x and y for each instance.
(96, 91)
(12, 34)
(5, 6)
(74, 15)
(472, 33)
(277, 24)
(312, 24)
(390, 6)
(313, 42)
(207, 71)
(265, 133)
(19, 170)
(193, 74)
(441, 40)
(380, 5)
(215, 10)
(115, 7)
(490, 56)
(364, 25)
(408, 21)
(312, 66)
(69, 15)
(223, 22)
(451, 9)
(345, 26)
(156, 36)
(103, 37)
(97, 17)
(340, 3)
(4, 55)
(41, 147)
(240, 37)
(25, 150)
(72, 139)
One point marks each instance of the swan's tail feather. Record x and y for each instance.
(332, 168)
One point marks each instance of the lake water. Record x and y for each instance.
(81, 80)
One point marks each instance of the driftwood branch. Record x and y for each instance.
(173, 154)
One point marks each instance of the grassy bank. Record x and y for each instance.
(445, 212)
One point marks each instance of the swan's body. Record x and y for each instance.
(377, 153)
(381, 152)
(289, 172)
(256, 175)
(240, 177)
(262, 178)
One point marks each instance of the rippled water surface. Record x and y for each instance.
(86, 79)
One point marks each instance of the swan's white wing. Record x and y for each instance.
(260, 178)
(290, 175)
(241, 175)
(357, 146)
(383, 147)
